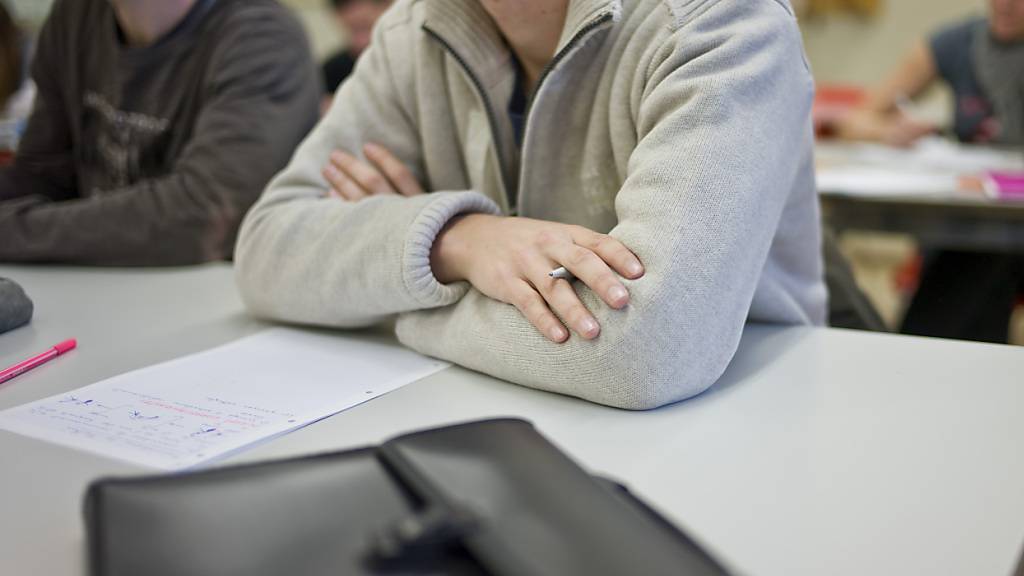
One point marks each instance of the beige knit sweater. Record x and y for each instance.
(680, 127)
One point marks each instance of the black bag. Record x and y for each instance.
(489, 497)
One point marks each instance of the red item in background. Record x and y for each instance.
(832, 103)
(908, 275)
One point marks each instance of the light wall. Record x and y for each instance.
(324, 36)
(30, 12)
(848, 49)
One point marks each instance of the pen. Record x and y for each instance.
(562, 273)
(38, 360)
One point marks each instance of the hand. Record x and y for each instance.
(353, 179)
(902, 130)
(893, 129)
(508, 259)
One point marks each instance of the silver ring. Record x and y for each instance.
(562, 273)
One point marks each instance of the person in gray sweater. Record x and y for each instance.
(659, 150)
(157, 124)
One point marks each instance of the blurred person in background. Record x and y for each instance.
(980, 59)
(355, 18)
(156, 125)
(962, 294)
(10, 56)
(16, 93)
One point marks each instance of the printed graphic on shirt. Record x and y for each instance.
(129, 146)
(978, 122)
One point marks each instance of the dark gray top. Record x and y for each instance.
(986, 78)
(151, 156)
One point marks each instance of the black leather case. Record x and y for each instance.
(490, 497)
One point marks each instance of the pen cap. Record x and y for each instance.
(66, 345)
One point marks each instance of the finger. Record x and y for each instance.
(612, 251)
(532, 307)
(341, 185)
(592, 270)
(563, 300)
(366, 176)
(399, 175)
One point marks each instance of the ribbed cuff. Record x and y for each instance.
(416, 272)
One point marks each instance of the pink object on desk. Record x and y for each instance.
(1005, 185)
(26, 365)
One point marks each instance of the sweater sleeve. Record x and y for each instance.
(723, 128)
(303, 257)
(261, 97)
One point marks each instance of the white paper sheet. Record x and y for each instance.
(929, 154)
(202, 407)
(932, 167)
(869, 181)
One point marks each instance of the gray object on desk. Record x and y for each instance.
(820, 451)
(15, 306)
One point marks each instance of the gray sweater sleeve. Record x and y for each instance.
(303, 257)
(262, 97)
(723, 126)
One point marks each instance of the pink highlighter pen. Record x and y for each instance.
(38, 360)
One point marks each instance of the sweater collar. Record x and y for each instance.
(471, 33)
(585, 13)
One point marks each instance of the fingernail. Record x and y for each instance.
(635, 269)
(557, 333)
(590, 327)
(618, 294)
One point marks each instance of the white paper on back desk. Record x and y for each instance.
(194, 409)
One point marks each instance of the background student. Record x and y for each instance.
(648, 163)
(354, 18)
(156, 125)
(962, 294)
(11, 46)
(16, 94)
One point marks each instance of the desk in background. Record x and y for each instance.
(920, 192)
(819, 452)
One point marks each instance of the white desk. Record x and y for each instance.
(916, 192)
(819, 452)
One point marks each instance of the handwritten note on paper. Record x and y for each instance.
(197, 408)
